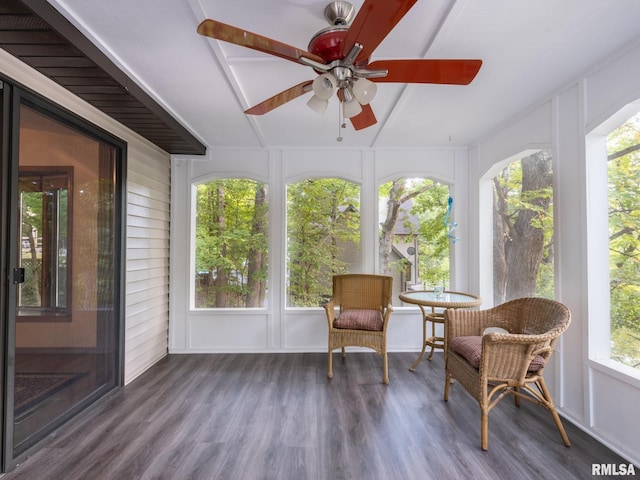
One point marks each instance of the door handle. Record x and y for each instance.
(18, 275)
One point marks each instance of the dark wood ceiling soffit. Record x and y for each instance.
(37, 34)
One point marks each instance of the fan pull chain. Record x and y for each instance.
(341, 123)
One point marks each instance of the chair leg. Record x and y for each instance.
(516, 397)
(552, 408)
(344, 352)
(447, 382)
(385, 369)
(484, 427)
(330, 359)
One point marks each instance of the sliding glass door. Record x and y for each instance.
(65, 242)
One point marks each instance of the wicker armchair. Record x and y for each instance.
(492, 365)
(364, 306)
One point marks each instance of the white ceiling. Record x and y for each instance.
(530, 49)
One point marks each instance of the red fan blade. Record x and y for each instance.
(364, 119)
(374, 21)
(452, 72)
(222, 31)
(280, 99)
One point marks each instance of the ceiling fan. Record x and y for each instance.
(340, 55)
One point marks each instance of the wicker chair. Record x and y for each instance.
(494, 364)
(364, 306)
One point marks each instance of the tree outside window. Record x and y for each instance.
(523, 229)
(623, 151)
(415, 235)
(231, 255)
(323, 237)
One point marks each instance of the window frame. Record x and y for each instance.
(597, 240)
(47, 312)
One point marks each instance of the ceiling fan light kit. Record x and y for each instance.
(340, 55)
(318, 105)
(364, 90)
(324, 86)
(355, 92)
(350, 106)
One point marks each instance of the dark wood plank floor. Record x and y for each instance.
(277, 416)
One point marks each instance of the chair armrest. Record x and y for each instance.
(541, 344)
(330, 309)
(520, 338)
(507, 355)
(386, 313)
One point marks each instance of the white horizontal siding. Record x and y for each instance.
(148, 224)
(146, 274)
(148, 308)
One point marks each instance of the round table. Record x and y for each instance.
(428, 302)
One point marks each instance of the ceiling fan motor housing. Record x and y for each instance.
(327, 43)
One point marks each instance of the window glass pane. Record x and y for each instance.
(323, 237)
(231, 244)
(623, 149)
(416, 231)
(523, 229)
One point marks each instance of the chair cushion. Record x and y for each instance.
(360, 320)
(470, 347)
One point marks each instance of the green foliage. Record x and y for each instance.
(517, 200)
(421, 216)
(323, 222)
(625, 345)
(225, 212)
(624, 244)
(430, 208)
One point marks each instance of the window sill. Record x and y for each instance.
(617, 370)
(42, 315)
(226, 311)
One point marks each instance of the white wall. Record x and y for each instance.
(589, 390)
(147, 243)
(280, 329)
